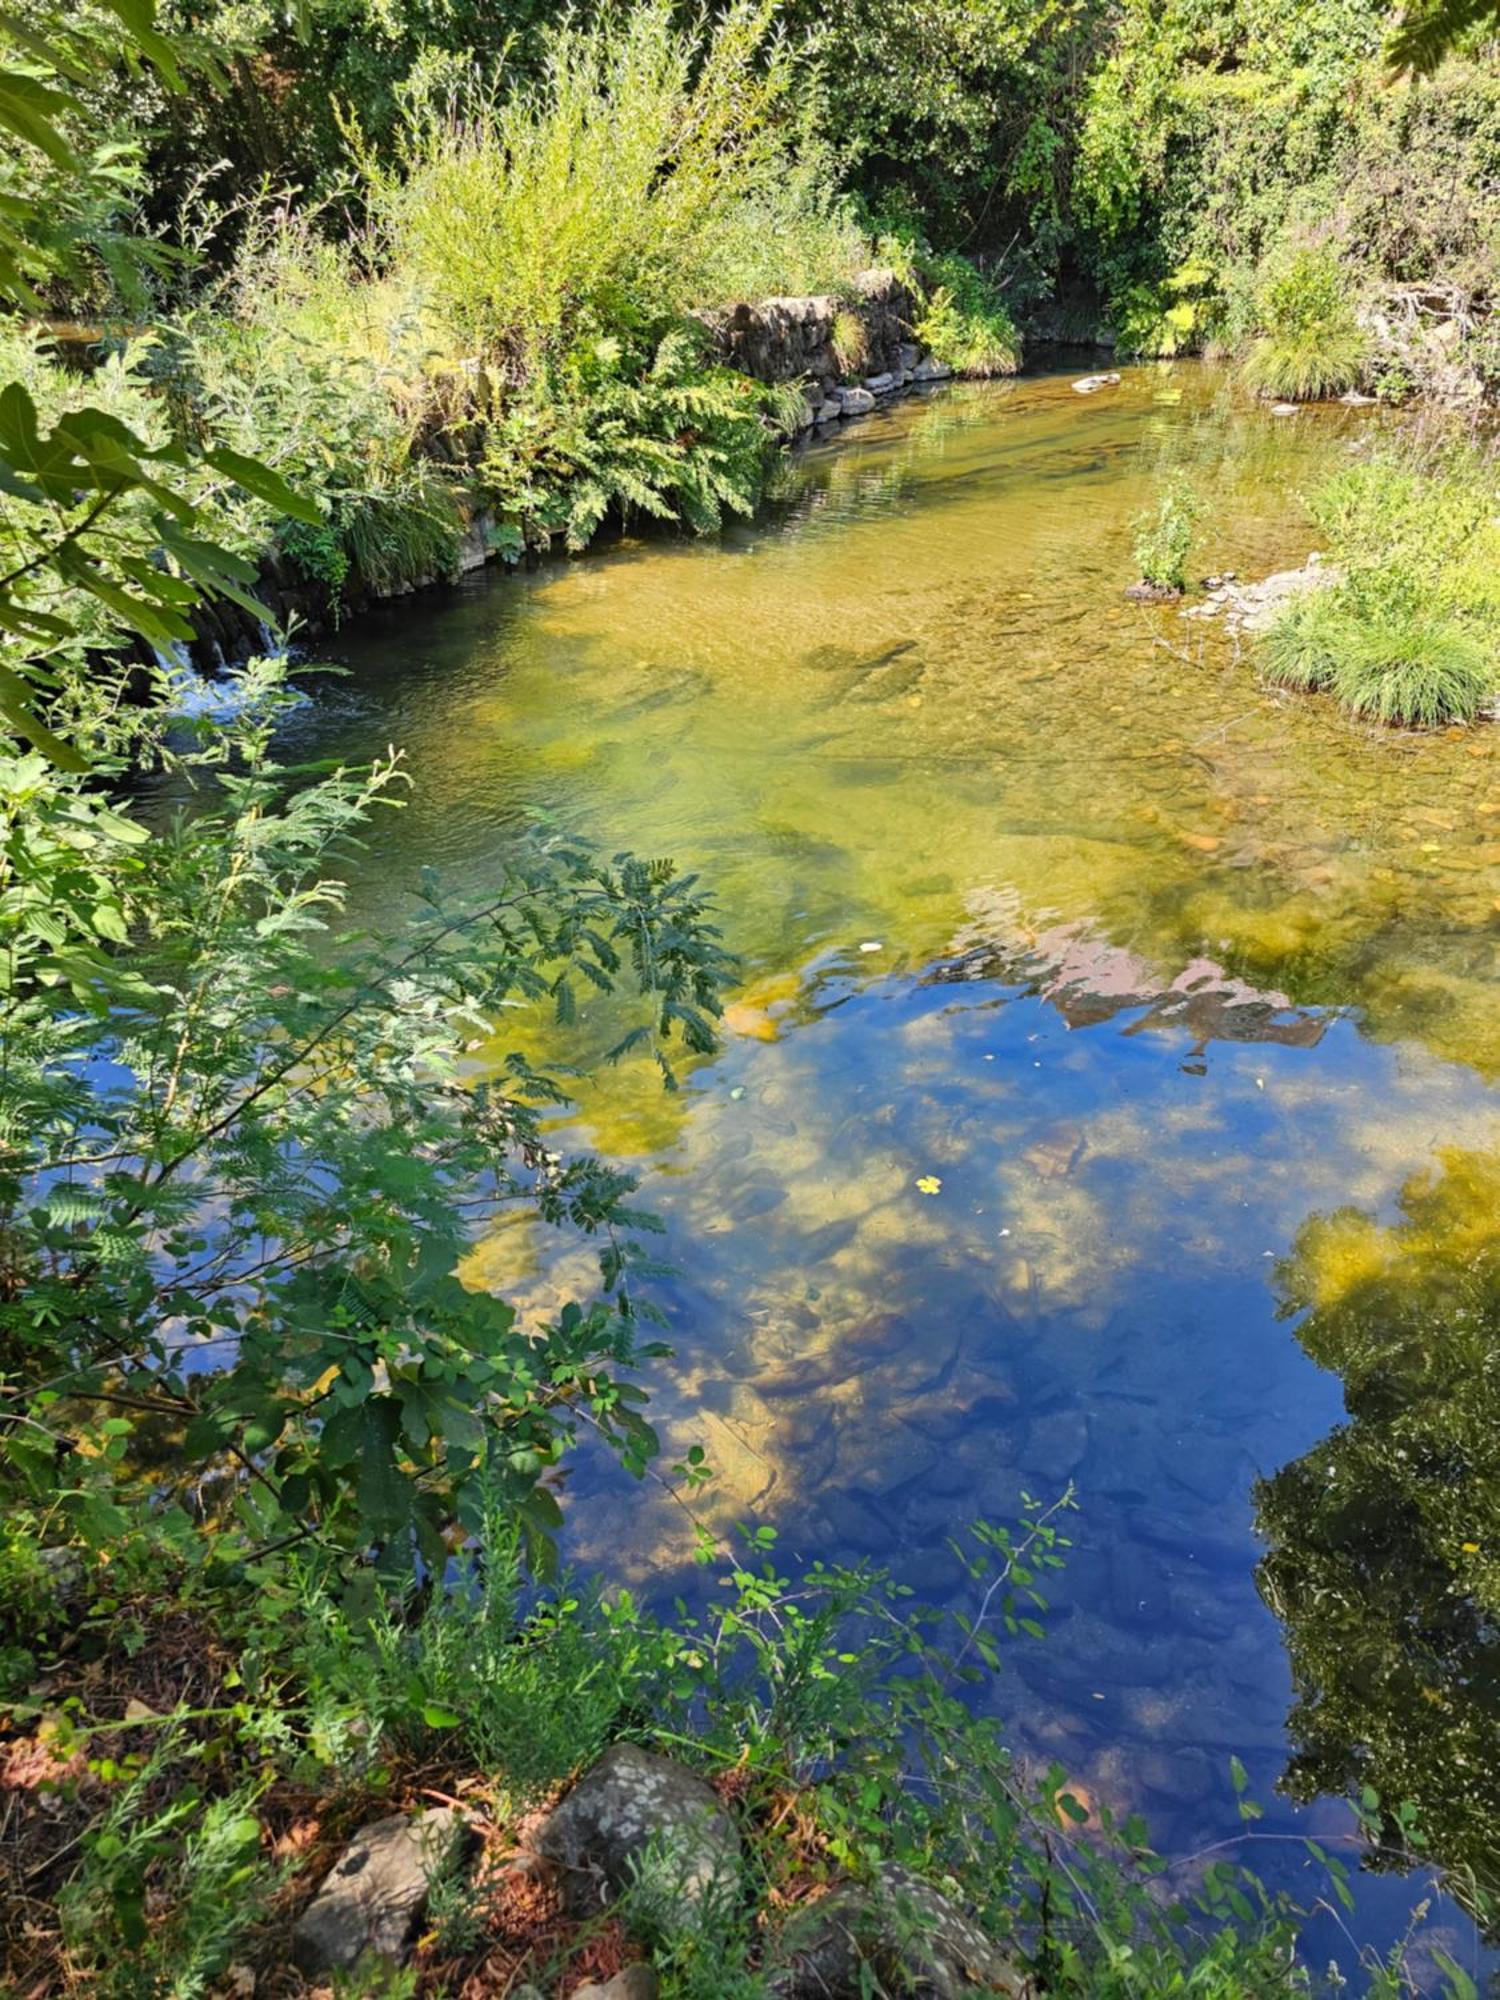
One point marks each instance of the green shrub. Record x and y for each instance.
(301, 359)
(312, 1116)
(966, 323)
(1310, 343)
(1164, 535)
(1430, 510)
(1174, 317)
(168, 1884)
(654, 169)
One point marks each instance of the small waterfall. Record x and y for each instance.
(231, 691)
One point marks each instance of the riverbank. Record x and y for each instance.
(825, 360)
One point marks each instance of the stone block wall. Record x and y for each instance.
(794, 340)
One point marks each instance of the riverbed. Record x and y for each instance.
(1087, 984)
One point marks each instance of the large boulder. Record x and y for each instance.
(633, 1814)
(372, 1897)
(901, 1931)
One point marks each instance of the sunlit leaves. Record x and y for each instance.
(240, 1188)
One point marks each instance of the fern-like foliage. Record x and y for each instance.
(675, 440)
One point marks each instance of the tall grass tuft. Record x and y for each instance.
(1402, 666)
(1384, 650)
(1301, 649)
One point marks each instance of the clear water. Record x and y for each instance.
(1040, 896)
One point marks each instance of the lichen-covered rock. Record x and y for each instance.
(633, 1811)
(904, 1932)
(636, 1982)
(854, 402)
(373, 1895)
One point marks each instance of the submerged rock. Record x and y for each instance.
(635, 1810)
(1087, 385)
(900, 1929)
(373, 1895)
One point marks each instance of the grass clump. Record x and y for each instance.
(1310, 343)
(1385, 656)
(1301, 649)
(850, 341)
(1400, 667)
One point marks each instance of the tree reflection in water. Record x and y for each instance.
(1384, 1540)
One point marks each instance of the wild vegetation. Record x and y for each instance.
(280, 1486)
(1406, 631)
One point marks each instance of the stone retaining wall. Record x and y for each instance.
(804, 339)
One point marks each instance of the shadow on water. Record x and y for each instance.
(1080, 972)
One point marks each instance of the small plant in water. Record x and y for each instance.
(1163, 538)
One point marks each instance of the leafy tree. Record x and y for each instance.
(1384, 1558)
(961, 116)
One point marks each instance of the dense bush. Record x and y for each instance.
(1222, 138)
(649, 172)
(965, 321)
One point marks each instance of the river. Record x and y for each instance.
(1110, 1096)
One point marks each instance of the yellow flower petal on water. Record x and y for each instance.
(929, 1184)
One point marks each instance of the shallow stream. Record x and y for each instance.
(1082, 977)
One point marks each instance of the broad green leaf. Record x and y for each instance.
(264, 484)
